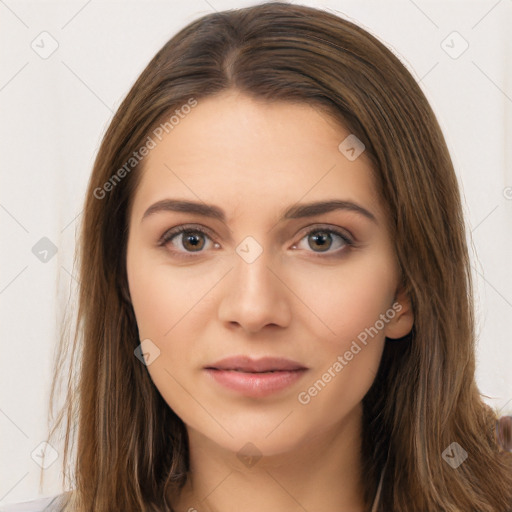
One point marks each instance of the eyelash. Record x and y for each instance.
(172, 233)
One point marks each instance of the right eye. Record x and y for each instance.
(191, 239)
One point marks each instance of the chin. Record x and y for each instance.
(255, 435)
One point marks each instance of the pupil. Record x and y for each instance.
(193, 240)
(321, 237)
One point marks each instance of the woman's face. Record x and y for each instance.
(268, 328)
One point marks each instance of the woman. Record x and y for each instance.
(275, 290)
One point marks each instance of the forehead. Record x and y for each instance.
(238, 151)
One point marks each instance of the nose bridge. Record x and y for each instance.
(252, 270)
(255, 297)
(252, 265)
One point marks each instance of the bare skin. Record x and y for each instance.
(304, 298)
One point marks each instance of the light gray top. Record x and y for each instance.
(50, 504)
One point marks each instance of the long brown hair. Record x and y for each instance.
(131, 449)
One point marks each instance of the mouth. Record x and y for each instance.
(246, 364)
(255, 377)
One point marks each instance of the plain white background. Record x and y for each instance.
(55, 109)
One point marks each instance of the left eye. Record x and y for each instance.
(323, 239)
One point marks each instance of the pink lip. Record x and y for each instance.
(248, 364)
(253, 377)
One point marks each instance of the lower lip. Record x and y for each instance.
(256, 384)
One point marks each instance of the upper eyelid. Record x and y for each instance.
(180, 229)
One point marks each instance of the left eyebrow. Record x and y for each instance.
(294, 212)
(318, 208)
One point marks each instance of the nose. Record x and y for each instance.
(255, 295)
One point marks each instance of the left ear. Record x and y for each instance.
(401, 324)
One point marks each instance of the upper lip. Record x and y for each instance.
(248, 364)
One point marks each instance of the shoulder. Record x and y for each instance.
(50, 504)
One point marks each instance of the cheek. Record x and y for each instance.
(153, 302)
(347, 300)
(350, 337)
(168, 304)
(347, 356)
(163, 296)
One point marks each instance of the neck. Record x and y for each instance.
(323, 473)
